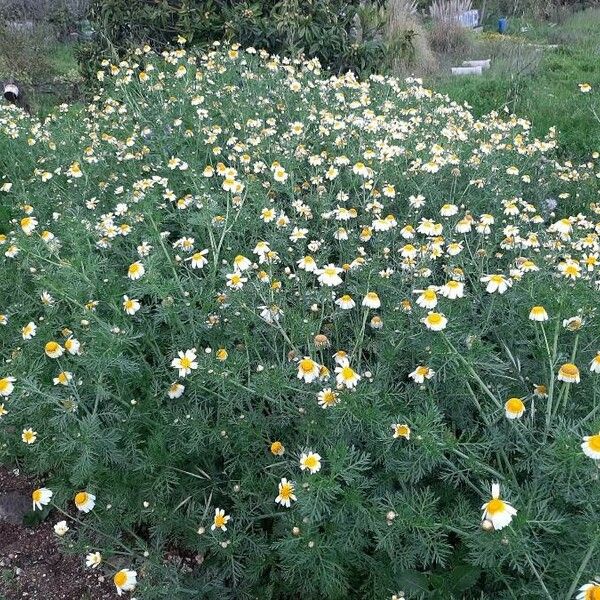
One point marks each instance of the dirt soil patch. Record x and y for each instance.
(32, 565)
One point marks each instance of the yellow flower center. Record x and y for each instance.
(495, 506)
(81, 498)
(594, 444)
(347, 373)
(402, 430)
(276, 447)
(329, 398)
(429, 295)
(514, 405)
(286, 491)
(36, 495)
(434, 318)
(219, 520)
(4, 385)
(52, 347)
(570, 370)
(310, 462)
(593, 593)
(329, 271)
(572, 270)
(185, 362)
(306, 365)
(120, 579)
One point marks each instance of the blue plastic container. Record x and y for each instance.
(502, 25)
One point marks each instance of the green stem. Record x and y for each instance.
(573, 357)
(360, 338)
(482, 465)
(473, 373)
(551, 361)
(583, 565)
(167, 256)
(86, 526)
(537, 576)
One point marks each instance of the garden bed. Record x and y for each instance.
(32, 563)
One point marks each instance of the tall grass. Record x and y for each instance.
(447, 35)
(404, 24)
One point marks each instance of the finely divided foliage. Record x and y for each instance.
(305, 330)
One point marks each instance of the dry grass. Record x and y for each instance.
(447, 35)
(24, 52)
(408, 39)
(447, 11)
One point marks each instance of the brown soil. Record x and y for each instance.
(32, 566)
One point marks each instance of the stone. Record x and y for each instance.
(484, 64)
(14, 506)
(466, 70)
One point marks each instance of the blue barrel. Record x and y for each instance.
(502, 25)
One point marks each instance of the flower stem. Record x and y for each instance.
(473, 374)
(538, 577)
(583, 565)
(551, 361)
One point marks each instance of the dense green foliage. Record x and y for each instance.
(219, 175)
(319, 28)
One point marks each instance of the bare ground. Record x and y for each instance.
(32, 565)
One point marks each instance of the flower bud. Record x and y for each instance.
(487, 525)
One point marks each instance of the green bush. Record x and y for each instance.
(317, 28)
(176, 213)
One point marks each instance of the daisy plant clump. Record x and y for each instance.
(332, 338)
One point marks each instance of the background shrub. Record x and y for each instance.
(318, 28)
(447, 35)
(408, 45)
